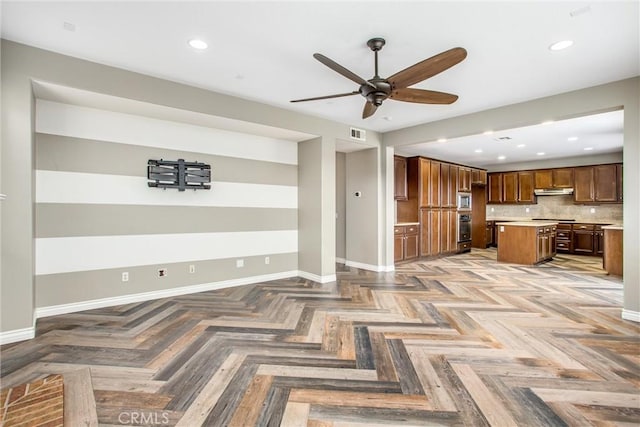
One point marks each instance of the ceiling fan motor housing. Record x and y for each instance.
(377, 93)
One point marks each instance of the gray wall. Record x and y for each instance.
(622, 94)
(22, 64)
(341, 205)
(363, 213)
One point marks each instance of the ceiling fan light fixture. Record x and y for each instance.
(563, 44)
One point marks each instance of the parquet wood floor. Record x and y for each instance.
(457, 341)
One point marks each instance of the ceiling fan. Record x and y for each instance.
(396, 87)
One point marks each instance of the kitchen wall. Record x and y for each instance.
(559, 207)
(96, 217)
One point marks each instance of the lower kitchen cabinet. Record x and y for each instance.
(405, 241)
(584, 239)
(430, 220)
(490, 233)
(564, 238)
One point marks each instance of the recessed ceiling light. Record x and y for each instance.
(478, 150)
(588, 148)
(502, 157)
(561, 45)
(198, 44)
(487, 132)
(520, 145)
(541, 153)
(572, 138)
(548, 122)
(442, 139)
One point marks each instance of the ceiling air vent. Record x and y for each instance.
(358, 134)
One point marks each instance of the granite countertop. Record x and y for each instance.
(528, 223)
(575, 221)
(612, 227)
(400, 224)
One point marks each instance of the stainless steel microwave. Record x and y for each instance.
(464, 201)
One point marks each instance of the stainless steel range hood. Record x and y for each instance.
(552, 191)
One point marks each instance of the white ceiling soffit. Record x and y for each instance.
(262, 50)
(582, 136)
(67, 95)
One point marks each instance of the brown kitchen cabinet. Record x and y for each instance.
(525, 188)
(564, 238)
(510, 187)
(597, 184)
(435, 185)
(554, 178)
(478, 176)
(464, 178)
(449, 231)
(613, 251)
(490, 233)
(400, 178)
(598, 240)
(584, 239)
(430, 221)
(406, 238)
(494, 188)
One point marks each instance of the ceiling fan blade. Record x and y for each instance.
(355, 92)
(427, 68)
(369, 109)
(341, 70)
(422, 96)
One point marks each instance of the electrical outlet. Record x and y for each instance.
(125, 276)
(267, 260)
(239, 263)
(162, 272)
(192, 268)
(527, 210)
(592, 210)
(493, 210)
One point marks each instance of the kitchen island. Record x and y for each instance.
(526, 242)
(612, 259)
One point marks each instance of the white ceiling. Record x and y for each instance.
(262, 51)
(582, 136)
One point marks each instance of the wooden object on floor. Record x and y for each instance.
(526, 243)
(612, 259)
(80, 404)
(38, 403)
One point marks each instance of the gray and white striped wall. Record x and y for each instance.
(96, 218)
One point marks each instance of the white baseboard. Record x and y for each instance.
(631, 315)
(17, 335)
(315, 278)
(370, 267)
(164, 293)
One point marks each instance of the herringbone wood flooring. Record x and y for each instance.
(461, 340)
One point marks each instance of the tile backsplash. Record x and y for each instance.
(559, 207)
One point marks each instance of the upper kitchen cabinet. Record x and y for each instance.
(510, 187)
(525, 188)
(400, 178)
(494, 188)
(464, 179)
(597, 184)
(449, 185)
(619, 179)
(554, 178)
(478, 176)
